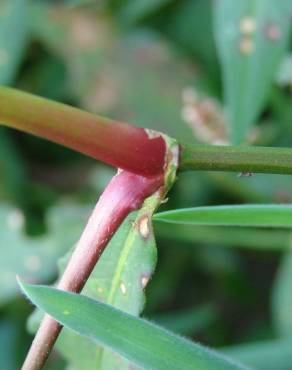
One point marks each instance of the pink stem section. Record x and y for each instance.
(118, 144)
(125, 193)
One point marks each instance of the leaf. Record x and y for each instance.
(189, 24)
(140, 341)
(118, 279)
(133, 12)
(13, 40)
(282, 297)
(251, 38)
(13, 37)
(261, 239)
(101, 67)
(34, 258)
(8, 344)
(188, 321)
(243, 215)
(265, 355)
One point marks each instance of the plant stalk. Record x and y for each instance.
(247, 159)
(121, 145)
(125, 193)
(134, 149)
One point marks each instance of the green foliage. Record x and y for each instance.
(139, 341)
(243, 215)
(265, 355)
(140, 62)
(13, 36)
(281, 298)
(34, 258)
(134, 12)
(106, 72)
(119, 279)
(251, 37)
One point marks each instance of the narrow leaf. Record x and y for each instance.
(140, 341)
(251, 37)
(119, 279)
(243, 215)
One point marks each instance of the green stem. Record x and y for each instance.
(236, 159)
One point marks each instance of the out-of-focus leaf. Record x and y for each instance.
(266, 355)
(140, 341)
(12, 172)
(243, 215)
(284, 75)
(13, 36)
(13, 39)
(132, 12)
(118, 279)
(189, 321)
(190, 25)
(135, 78)
(8, 347)
(251, 37)
(251, 238)
(282, 297)
(34, 258)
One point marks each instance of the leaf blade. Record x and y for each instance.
(242, 215)
(140, 341)
(249, 53)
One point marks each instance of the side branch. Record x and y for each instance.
(236, 159)
(121, 145)
(125, 193)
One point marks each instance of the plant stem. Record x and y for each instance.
(236, 159)
(125, 193)
(124, 146)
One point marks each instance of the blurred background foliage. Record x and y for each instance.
(171, 65)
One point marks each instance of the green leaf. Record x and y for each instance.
(243, 215)
(265, 355)
(118, 279)
(260, 239)
(99, 69)
(251, 37)
(34, 258)
(140, 341)
(282, 297)
(8, 344)
(13, 40)
(188, 321)
(132, 12)
(13, 37)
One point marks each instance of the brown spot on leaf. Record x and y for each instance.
(144, 226)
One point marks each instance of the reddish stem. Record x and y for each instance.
(121, 145)
(125, 193)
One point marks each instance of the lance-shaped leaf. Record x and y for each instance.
(140, 341)
(119, 279)
(266, 215)
(251, 37)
